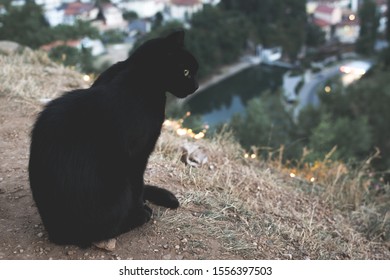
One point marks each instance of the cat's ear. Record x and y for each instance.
(176, 38)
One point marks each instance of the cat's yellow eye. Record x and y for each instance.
(186, 72)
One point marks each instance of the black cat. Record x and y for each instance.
(90, 147)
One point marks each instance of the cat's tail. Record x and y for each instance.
(160, 197)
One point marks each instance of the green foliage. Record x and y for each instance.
(388, 22)
(370, 97)
(25, 25)
(355, 119)
(369, 21)
(217, 37)
(113, 36)
(69, 56)
(78, 30)
(275, 22)
(266, 124)
(384, 58)
(65, 55)
(351, 136)
(315, 37)
(130, 15)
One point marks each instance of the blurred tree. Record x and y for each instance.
(158, 20)
(369, 22)
(370, 97)
(217, 37)
(276, 22)
(25, 25)
(265, 125)
(130, 15)
(315, 37)
(113, 36)
(388, 21)
(352, 136)
(70, 56)
(356, 119)
(79, 30)
(65, 55)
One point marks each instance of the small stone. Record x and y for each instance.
(108, 245)
(177, 247)
(167, 257)
(70, 253)
(40, 234)
(155, 250)
(184, 240)
(21, 251)
(165, 246)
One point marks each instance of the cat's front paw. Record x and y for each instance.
(148, 212)
(161, 197)
(172, 201)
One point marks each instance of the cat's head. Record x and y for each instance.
(182, 67)
(170, 64)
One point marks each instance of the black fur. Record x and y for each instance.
(90, 147)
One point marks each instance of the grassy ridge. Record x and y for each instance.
(254, 208)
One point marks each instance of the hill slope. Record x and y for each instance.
(231, 208)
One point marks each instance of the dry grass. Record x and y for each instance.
(356, 191)
(252, 209)
(31, 77)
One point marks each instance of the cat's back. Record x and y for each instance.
(73, 114)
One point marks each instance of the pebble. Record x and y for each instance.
(40, 234)
(177, 247)
(167, 257)
(165, 246)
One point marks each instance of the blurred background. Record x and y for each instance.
(303, 81)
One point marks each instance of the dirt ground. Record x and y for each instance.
(213, 222)
(22, 235)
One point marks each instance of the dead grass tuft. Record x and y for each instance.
(31, 77)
